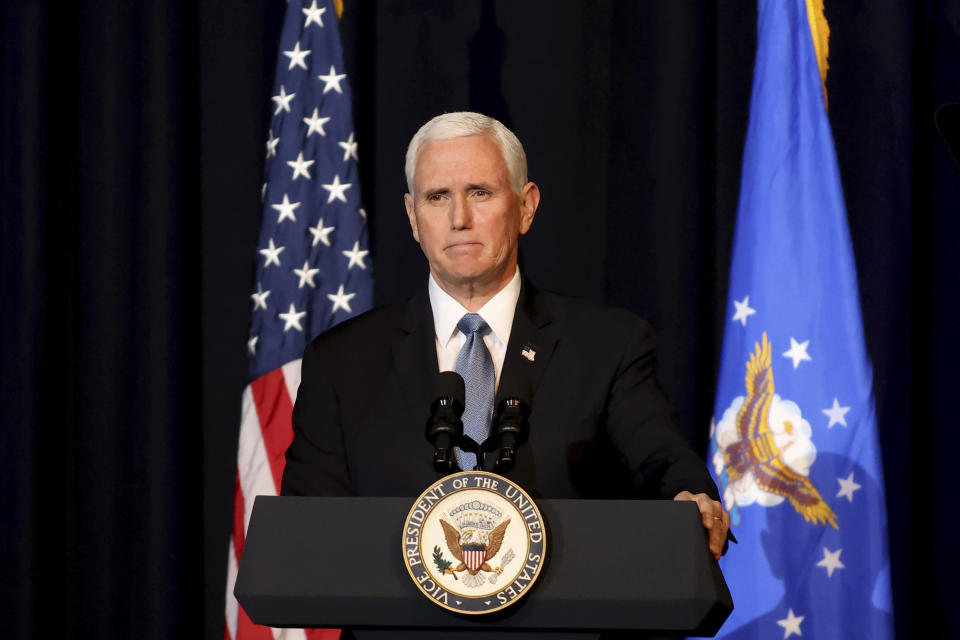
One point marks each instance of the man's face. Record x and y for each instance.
(464, 213)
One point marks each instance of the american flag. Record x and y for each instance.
(313, 268)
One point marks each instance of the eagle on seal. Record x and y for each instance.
(756, 452)
(473, 547)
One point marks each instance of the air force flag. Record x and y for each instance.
(793, 442)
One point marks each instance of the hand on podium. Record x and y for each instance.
(715, 520)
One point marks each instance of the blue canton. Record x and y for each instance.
(313, 268)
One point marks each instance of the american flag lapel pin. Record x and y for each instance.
(528, 353)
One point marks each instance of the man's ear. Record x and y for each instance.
(411, 216)
(529, 201)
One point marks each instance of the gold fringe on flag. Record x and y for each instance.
(820, 31)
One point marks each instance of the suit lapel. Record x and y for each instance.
(532, 342)
(533, 339)
(415, 354)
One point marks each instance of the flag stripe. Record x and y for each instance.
(233, 606)
(275, 410)
(291, 376)
(253, 465)
(239, 530)
(248, 630)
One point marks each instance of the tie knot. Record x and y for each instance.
(473, 323)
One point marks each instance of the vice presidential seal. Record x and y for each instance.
(474, 542)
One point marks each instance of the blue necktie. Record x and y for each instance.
(475, 365)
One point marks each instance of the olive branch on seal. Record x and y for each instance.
(442, 563)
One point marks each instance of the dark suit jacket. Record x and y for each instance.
(600, 426)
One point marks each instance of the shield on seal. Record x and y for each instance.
(474, 555)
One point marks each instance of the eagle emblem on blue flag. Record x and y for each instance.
(764, 447)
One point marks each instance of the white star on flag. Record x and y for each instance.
(321, 233)
(349, 148)
(797, 352)
(743, 310)
(791, 624)
(260, 298)
(315, 123)
(272, 254)
(336, 189)
(300, 166)
(340, 300)
(356, 256)
(283, 101)
(252, 345)
(836, 413)
(847, 487)
(291, 318)
(831, 561)
(306, 275)
(313, 14)
(332, 80)
(297, 57)
(271, 145)
(286, 209)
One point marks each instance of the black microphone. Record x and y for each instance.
(511, 428)
(445, 427)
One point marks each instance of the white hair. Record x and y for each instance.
(467, 123)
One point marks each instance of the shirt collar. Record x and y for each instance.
(497, 312)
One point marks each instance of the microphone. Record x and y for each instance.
(444, 426)
(511, 427)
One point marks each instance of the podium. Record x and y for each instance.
(610, 565)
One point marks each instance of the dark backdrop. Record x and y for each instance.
(131, 169)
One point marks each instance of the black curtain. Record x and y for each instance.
(102, 479)
(131, 169)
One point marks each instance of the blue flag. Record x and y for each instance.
(794, 437)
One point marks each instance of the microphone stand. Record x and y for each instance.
(511, 430)
(444, 426)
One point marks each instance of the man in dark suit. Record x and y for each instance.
(600, 426)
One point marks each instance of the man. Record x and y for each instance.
(600, 426)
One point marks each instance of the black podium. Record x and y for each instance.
(611, 565)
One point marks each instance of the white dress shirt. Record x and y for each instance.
(497, 312)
